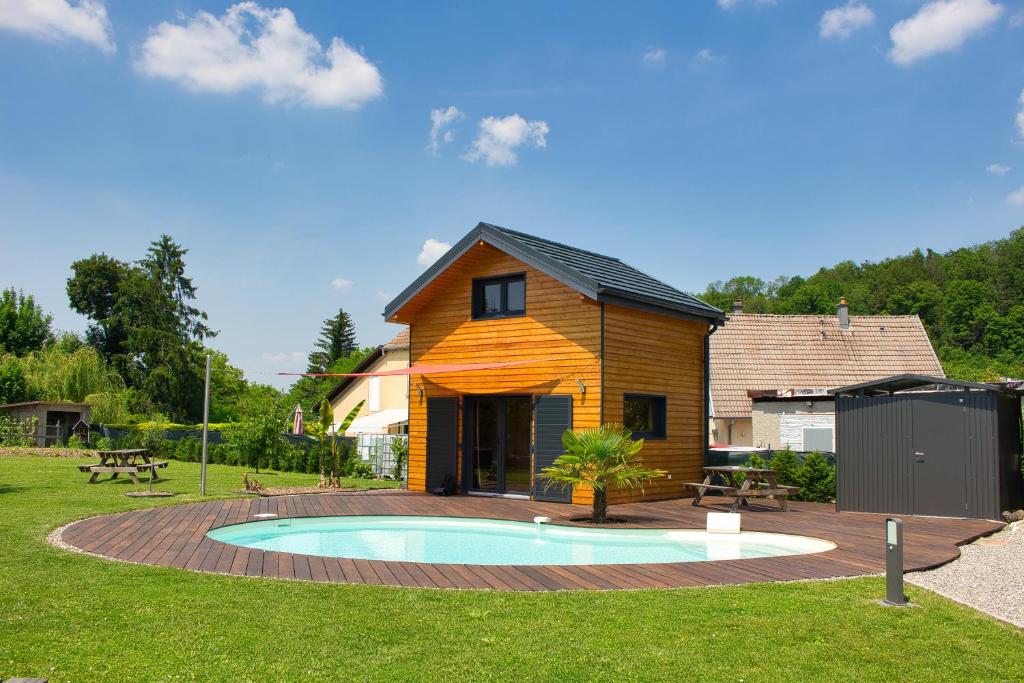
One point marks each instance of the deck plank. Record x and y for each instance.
(175, 536)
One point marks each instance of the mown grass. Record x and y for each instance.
(72, 617)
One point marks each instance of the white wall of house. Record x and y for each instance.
(800, 425)
(380, 393)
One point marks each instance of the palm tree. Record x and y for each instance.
(330, 478)
(601, 458)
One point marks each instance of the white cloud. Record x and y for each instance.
(1017, 20)
(841, 22)
(1020, 115)
(1016, 198)
(940, 26)
(998, 169)
(431, 251)
(251, 47)
(498, 139)
(705, 56)
(59, 20)
(283, 358)
(729, 4)
(441, 121)
(340, 284)
(655, 55)
(385, 296)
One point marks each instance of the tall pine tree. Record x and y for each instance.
(337, 339)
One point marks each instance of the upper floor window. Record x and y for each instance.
(499, 297)
(644, 415)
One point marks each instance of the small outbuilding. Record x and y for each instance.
(55, 420)
(921, 445)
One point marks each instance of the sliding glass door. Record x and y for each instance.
(500, 443)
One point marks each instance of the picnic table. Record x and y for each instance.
(757, 483)
(130, 461)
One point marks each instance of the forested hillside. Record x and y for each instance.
(970, 299)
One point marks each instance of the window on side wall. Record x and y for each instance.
(373, 395)
(644, 415)
(499, 297)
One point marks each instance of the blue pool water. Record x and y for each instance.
(483, 541)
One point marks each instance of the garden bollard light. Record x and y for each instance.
(894, 563)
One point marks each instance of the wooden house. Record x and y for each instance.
(593, 340)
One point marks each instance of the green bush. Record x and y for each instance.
(814, 475)
(816, 479)
(103, 444)
(75, 443)
(786, 464)
(361, 470)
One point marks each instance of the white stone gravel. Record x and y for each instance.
(988, 576)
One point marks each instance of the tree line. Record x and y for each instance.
(142, 357)
(971, 300)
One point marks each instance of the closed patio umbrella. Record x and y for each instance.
(297, 426)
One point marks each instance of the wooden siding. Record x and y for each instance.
(647, 353)
(561, 331)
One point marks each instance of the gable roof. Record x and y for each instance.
(398, 342)
(754, 351)
(599, 277)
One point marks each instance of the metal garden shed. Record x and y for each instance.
(914, 444)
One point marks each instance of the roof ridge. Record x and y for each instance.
(520, 233)
(887, 316)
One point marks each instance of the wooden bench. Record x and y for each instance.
(758, 483)
(126, 462)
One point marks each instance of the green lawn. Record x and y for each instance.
(72, 617)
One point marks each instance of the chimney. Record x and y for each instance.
(844, 314)
(737, 306)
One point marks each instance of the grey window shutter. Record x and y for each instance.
(442, 439)
(553, 416)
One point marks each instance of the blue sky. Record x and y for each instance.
(696, 140)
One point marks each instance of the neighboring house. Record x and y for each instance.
(386, 407)
(54, 419)
(770, 374)
(594, 340)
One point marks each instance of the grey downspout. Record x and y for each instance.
(707, 392)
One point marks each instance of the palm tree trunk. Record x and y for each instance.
(600, 513)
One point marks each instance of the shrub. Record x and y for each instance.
(399, 449)
(18, 432)
(816, 479)
(75, 443)
(361, 470)
(786, 465)
(104, 444)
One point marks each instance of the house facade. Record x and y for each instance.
(587, 339)
(385, 398)
(771, 374)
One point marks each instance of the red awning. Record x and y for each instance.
(419, 369)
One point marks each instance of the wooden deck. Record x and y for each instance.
(175, 536)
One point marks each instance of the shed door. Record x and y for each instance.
(939, 456)
(552, 416)
(442, 439)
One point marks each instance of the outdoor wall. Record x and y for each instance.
(648, 353)
(394, 391)
(742, 431)
(778, 424)
(561, 331)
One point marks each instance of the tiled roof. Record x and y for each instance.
(781, 352)
(399, 341)
(611, 274)
(599, 277)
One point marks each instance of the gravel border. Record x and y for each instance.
(987, 576)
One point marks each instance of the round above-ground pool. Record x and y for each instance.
(459, 540)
